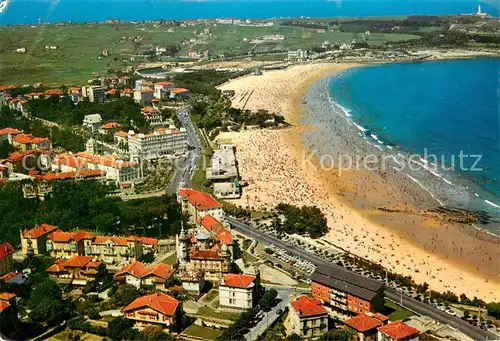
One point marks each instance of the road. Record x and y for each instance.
(419, 307)
(285, 295)
(186, 165)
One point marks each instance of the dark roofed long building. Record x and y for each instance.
(347, 291)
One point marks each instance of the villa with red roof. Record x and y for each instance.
(78, 270)
(397, 331)
(139, 274)
(111, 250)
(238, 291)
(307, 317)
(6, 134)
(109, 128)
(158, 309)
(6, 252)
(34, 240)
(23, 142)
(366, 324)
(198, 204)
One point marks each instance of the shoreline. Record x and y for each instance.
(349, 224)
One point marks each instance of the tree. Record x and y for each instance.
(293, 337)
(344, 334)
(268, 300)
(125, 294)
(5, 149)
(494, 309)
(154, 333)
(118, 326)
(9, 322)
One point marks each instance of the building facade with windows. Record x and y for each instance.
(158, 144)
(158, 309)
(78, 270)
(34, 240)
(307, 317)
(347, 291)
(238, 291)
(198, 205)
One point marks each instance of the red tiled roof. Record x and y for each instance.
(3, 305)
(147, 110)
(305, 306)
(178, 90)
(398, 330)
(6, 296)
(238, 281)
(6, 250)
(60, 236)
(78, 261)
(164, 83)
(128, 91)
(58, 266)
(39, 230)
(160, 302)
(381, 317)
(111, 92)
(9, 276)
(111, 125)
(108, 160)
(69, 160)
(9, 130)
(7, 87)
(23, 138)
(363, 323)
(74, 89)
(204, 254)
(155, 100)
(138, 269)
(85, 173)
(115, 240)
(18, 156)
(202, 201)
(52, 92)
(121, 134)
(213, 226)
(148, 240)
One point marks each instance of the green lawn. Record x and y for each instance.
(208, 312)
(78, 56)
(210, 295)
(396, 312)
(171, 260)
(204, 332)
(248, 258)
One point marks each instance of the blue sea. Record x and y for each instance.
(51, 11)
(447, 113)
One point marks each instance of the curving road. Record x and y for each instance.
(419, 307)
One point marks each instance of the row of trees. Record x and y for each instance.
(87, 204)
(301, 220)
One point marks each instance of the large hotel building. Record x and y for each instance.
(347, 291)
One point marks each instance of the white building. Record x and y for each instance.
(297, 55)
(94, 93)
(238, 291)
(92, 122)
(162, 89)
(307, 317)
(193, 281)
(143, 96)
(198, 205)
(162, 142)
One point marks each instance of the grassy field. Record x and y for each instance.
(78, 56)
(208, 312)
(204, 332)
(171, 260)
(396, 312)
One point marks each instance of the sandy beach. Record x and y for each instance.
(426, 245)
